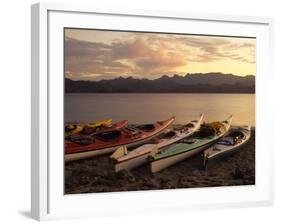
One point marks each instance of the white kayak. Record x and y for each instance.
(130, 160)
(229, 144)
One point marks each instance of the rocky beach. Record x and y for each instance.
(97, 174)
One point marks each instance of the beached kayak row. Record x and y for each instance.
(160, 144)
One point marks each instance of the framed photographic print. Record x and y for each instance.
(162, 111)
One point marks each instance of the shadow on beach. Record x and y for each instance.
(97, 174)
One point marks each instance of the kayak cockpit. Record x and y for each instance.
(169, 135)
(109, 135)
(146, 127)
(189, 125)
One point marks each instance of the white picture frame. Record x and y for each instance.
(48, 200)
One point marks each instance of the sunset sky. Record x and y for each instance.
(96, 55)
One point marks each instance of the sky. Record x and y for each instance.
(99, 54)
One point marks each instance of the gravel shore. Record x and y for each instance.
(97, 174)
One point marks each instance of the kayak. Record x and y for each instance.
(87, 130)
(227, 145)
(161, 159)
(192, 146)
(108, 141)
(71, 129)
(96, 124)
(137, 157)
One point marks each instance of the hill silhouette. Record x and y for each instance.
(190, 83)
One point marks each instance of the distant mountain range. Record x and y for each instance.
(190, 83)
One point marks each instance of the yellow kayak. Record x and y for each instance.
(71, 129)
(96, 124)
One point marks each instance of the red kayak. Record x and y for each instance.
(80, 147)
(92, 131)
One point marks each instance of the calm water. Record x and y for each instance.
(143, 108)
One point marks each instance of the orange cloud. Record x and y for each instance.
(150, 55)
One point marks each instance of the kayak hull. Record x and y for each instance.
(88, 154)
(160, 164)
(210, 161)
(132, 163)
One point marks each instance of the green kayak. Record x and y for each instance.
(161, 159)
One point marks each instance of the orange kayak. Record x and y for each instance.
(108, 141)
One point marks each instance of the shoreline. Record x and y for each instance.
(236, 93)
(97, 174)
(253, 127)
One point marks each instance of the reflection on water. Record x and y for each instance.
(143, 108)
